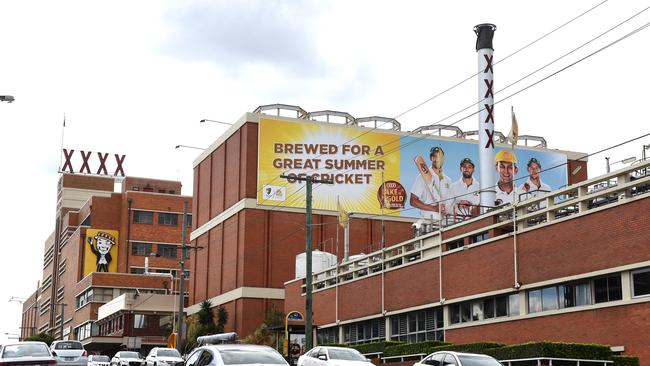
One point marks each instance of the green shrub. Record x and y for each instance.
(552, 349)
(480, 347)
(375, 346)
(625, 360)
(413, 348)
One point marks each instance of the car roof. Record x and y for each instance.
(25, 342)
(334, 347)
(461, 353)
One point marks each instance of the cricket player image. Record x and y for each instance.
(431, 186)
(465, 191)
(506, 165)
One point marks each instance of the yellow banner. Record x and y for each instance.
(101, 251)
(353, 159)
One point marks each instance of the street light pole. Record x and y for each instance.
(308, 291)
(63, 305)
(7, 98)
(213, 121)
(181, 277)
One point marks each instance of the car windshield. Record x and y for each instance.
(345, 354)
(250, 356)
(101, 358)
(168, 353)
(129, 355)
(468, 360)
(25, 350)
(68, 345)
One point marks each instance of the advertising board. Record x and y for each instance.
(101, 251)
(391, 173)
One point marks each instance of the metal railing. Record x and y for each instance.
(558, 361)
(619, 187)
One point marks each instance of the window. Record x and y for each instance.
(641, 283)
(165, 322)
(549, 298)
(103, 295)
(142, 217)
(607, 289)
(139, 321)
(488, 308)
(170, 219)
(479, 237)
(140, 248)
(417, 326)
(566, 295)
(372, 330)
(189, 221)
(458, 243)
(137, 270)
(328, 335)
(168, 251)
(434, 360)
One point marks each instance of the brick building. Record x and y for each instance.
(576, 269)
(250, 247)
(147, 217)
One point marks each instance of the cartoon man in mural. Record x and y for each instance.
(101, 245)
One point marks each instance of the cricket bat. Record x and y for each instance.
(424, 170)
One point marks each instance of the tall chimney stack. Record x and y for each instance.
(484, 35)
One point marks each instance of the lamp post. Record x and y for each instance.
(213, 121)
(7, 98)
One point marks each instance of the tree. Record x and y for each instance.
(202, 323)
(273, 318)
(41, 337)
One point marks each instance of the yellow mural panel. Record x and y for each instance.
(101, 251)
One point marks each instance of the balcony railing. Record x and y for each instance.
(616, 188)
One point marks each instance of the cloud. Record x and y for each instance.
(236, 34)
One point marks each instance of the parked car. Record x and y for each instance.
(69, 353)
(26, 353)
(159, 356)
(234, 354)
(333, 356)
(448, 358)
(127, 358)
(98, 360)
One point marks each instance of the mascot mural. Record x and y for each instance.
(101, 251)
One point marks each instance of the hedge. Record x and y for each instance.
(413, 348)
(552, 349)
(480, 347)
(375, 346)
(625, 361)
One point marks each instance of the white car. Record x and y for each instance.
(159, 356)
(98, 360)
(127, 358)
(26, 353)
(449, 358)
(333, 356)
(69, 353)
(235, 354)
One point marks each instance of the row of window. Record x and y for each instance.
(151, 189)
(414, 326)
(162, 250)
(428, 324)
(84, 331)
(94, 295)
(164, 218)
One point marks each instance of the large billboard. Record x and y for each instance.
(101, 251)
(391, 173)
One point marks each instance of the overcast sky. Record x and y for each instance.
(135, 78)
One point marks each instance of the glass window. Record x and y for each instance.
(168, 219)
(165, 322)
(188, 221)
(418, 325)
(641, 283)
(68, 345)
(479, 237)
(477, 360)
(168, 251)
(142, 217)
(513, 305)
(534, 301)
(346, 354)
(450, 360)
(143, 249)
(454, 313)
(488, 308)
(139, 321)
(549, 298)
(502, 306)
(465, 312)
(582, 294)
(168, 352)
(25, 350)
(137, 270)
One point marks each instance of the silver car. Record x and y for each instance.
(98, 360)
(127, 358)
(333, 356)
(448, 358)
(26, 353)
(69, 353)
(234, 354)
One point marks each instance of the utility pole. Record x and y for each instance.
(63, 305)
(181, 278)
(308, 277)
